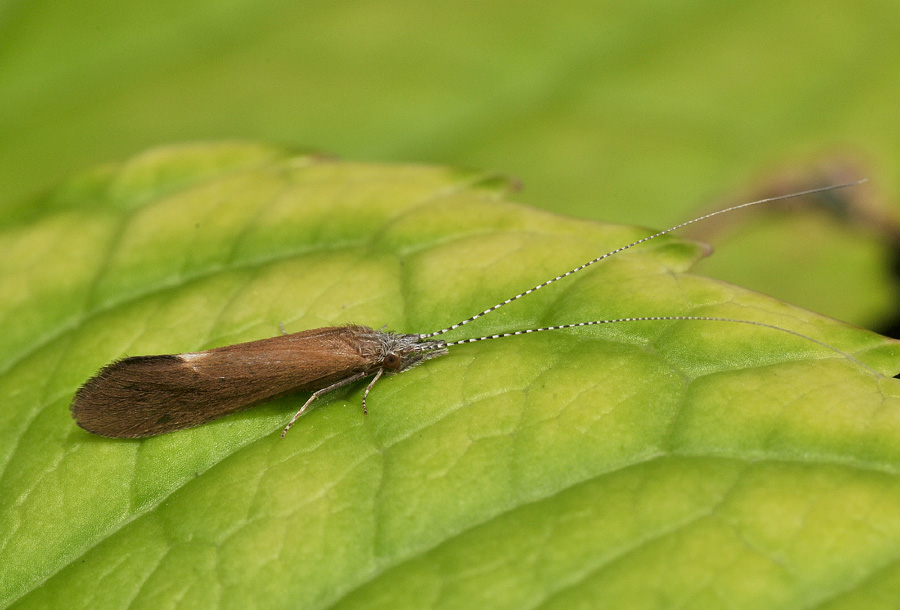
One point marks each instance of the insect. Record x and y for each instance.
(148, 395)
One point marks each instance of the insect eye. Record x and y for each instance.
(392, 362)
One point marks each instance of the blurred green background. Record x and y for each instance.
(640, 112)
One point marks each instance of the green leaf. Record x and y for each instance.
(633, 465)
(637, 112)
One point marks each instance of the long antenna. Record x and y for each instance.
(631, 245)
(445, 344)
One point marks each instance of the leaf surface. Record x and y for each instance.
(638, 465)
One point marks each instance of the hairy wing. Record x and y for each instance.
(148, 395)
